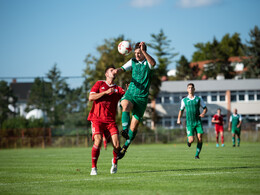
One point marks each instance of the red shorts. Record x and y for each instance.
(106, 129)
(219, 129)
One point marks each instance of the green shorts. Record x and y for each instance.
(191, 129)
(139, 105)
(236, 131)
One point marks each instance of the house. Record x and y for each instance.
(225, 94)
(22, 92)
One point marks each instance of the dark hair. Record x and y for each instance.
(110, 66)
(190, 84)
(219, 109)
(137, 45)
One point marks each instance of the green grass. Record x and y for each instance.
(146, 169)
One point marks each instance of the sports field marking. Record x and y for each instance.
(94, 178)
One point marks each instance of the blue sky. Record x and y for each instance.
(36, 34)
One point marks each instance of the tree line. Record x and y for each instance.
(68, 107)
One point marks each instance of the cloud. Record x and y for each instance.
(196, 3)
(145, 3)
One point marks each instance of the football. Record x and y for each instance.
(124, 47)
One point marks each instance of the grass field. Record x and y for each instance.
(146, 169)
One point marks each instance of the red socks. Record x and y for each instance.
(94, 155)
(115, 155)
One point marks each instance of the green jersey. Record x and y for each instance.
(192, 109)
(235, 119)
(141, 77)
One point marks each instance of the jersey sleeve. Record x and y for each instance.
(240, 117)
(202, 103)
(127, 65)
(95, 88)
(182, 105)
(230, 119)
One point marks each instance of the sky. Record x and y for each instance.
(36, 34)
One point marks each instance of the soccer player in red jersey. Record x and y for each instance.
(219, 122)
(105, 96)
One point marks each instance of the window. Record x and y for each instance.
(166, 100)
(233, 96)
(159, 100)
(251, 96)
(176, 98)
(258, 95)
(213, 96)
(204, 96)
(241, 96)
(222, 96)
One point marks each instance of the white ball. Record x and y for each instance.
(124, 47)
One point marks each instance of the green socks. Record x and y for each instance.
(125, 120)
(199, 146)
(234, 140)
(131, 135)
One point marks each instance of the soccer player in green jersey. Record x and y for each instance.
(136, 97)
(236, 121)
(192, 104)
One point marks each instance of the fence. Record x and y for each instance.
(83, 138)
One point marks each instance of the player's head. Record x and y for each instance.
(108, 72)
(219, 111)
(138, 53)
(190, 88)
(235, 111)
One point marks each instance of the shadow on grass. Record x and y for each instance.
(197, 169)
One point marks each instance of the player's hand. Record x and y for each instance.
(179, 122)
(228, 129)
(110, 90)
(142, 46)
(202, 115)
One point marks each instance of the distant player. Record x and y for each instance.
(105, 95)
(136, 97)
(192, 104)
(236, 121)
(219, 123)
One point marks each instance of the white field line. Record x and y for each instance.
(95, 178)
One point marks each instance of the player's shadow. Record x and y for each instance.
(196, 169)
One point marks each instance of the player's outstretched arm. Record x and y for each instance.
(117, 70)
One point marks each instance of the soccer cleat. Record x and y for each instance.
(223, 145)
(217, 145)
(122, 152)
(113, 169)
(124, 133)
(238, 145)
(189, 144)
(234, 145)
(93, 171)
(197, 157)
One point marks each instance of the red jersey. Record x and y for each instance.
(104, 108)
(220, 118)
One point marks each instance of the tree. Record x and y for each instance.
(40, 95)
(6, 98)
(252, 63)
(163, 52)
(59, 91)
(219, 53)
(183, 70)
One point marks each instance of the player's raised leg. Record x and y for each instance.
(132, 133)
(127, 106)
